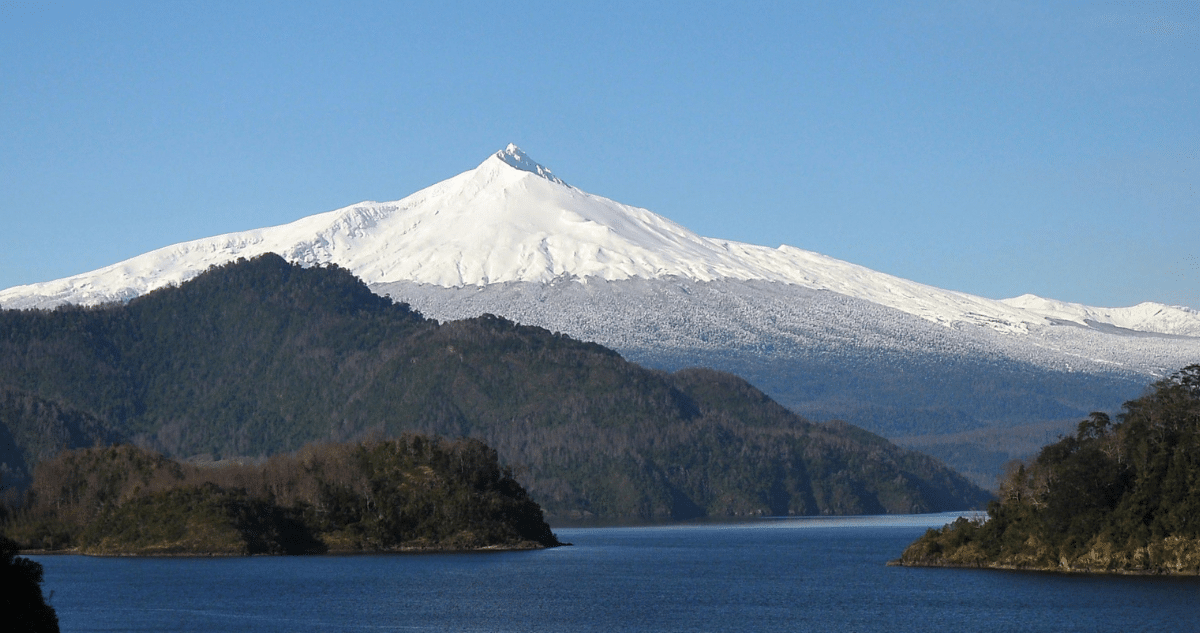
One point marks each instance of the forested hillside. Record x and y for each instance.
(1121, 497)
(35, 429)
(260, 357)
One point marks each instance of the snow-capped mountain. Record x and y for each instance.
(969, 379)
(512, 220)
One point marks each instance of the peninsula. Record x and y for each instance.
(1118, 497)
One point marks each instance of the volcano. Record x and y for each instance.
(972, 380)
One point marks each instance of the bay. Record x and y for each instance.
(804, 574)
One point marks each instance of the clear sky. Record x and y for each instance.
(993, 148)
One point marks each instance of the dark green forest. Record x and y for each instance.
(1116, 497)
(257, 358)
(408, 493)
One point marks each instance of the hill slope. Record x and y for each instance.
(262, 356)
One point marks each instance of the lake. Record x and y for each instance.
(812, 574)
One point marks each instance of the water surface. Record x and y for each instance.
(771, 575)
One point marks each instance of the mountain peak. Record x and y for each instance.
(514, 157)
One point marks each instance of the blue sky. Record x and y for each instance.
(1049, 148)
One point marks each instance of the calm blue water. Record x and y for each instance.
(774, 575)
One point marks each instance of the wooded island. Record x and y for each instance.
(404, 494)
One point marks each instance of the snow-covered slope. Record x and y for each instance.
(512, 220)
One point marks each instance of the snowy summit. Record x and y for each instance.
(511, 219)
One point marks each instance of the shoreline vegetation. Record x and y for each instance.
(411, 494)
(1119, 498)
